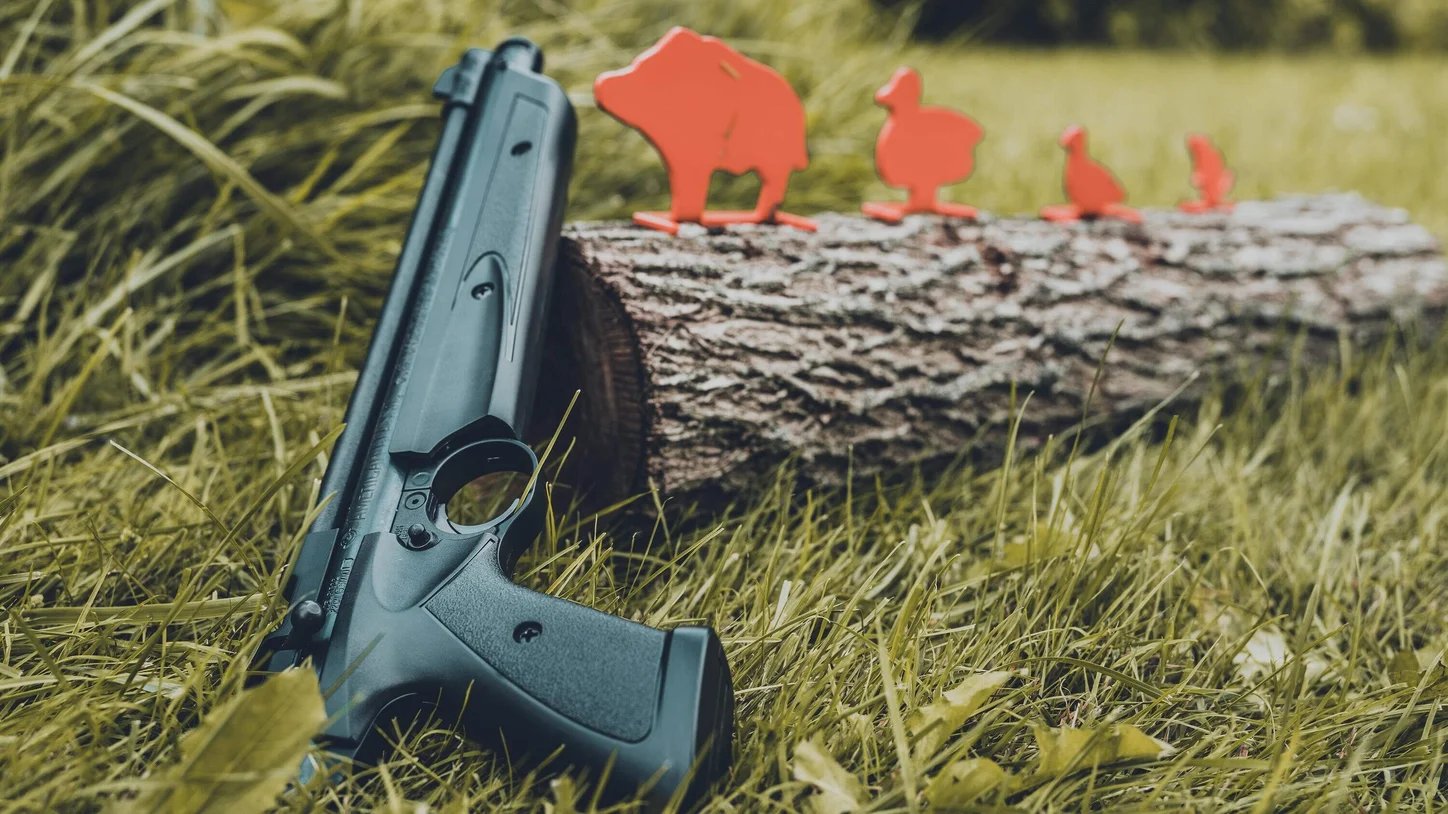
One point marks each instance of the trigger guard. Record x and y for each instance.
(429, 489)
(475, 460)
(408, 572)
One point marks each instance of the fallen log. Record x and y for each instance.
(706, 360)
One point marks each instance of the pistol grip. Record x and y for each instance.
(652, 708)
(610, 686)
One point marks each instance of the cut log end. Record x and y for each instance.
(706, 360)
(593, 390)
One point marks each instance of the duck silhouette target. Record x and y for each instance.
(1093, 191)
(920, 149)
(706, 107)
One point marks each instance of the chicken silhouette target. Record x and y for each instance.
(921, 149)
(1093, 191)
(706, 107)
(1210, 176)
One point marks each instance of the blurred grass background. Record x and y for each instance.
(200, 205)
(1234, 25)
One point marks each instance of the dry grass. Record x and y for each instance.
(201, 207)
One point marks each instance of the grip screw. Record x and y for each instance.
(417, 537)
(307, 617)
(526, 632)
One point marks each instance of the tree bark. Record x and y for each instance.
(708, 359)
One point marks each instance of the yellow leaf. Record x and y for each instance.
(1044, 543)
(1047, 542)
(1133, 744)
(1431, 656)
(243, 753)
(1263, 653)
(1058, 748)
(1405, 668)
(244, 13)
(963, 782)
(838, 790)
(932, 725)
(565, 796)
(1068, 748)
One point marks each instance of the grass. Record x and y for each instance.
(200, 212)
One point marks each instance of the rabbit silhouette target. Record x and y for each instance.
(706, 107)
(1210, 176)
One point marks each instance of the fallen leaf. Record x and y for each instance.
(1431, 658)
(1434, 655)
(838, 791)
(1264, 652)
(1405, 669)
(1059, 540)
(243, 753)
(1046, 542)
(933, 724)
(1133, 744)
(242, 14)
(964, 781)
(1316, 665)
(1068, 748)
(565, 796)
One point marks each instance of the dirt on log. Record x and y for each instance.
(705, 360)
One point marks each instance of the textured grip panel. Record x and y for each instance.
(601, 671)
